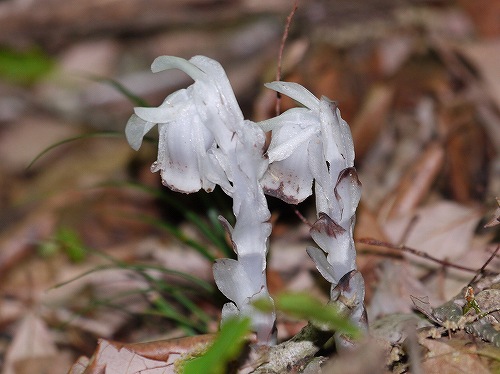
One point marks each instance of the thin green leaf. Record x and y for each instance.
(191, 278)
(214, 232)
(178, 295)
(100, 134)
(177, 233)
(226, 347)
(134, 99)
(166, 310)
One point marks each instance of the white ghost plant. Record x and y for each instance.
(314, 143)
(204, 141)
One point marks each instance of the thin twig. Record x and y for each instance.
(481, 271)
(280, 55)
(302, 218)
(409, 228)
(416, 252)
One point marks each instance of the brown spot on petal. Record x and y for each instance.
(349, 173)
(325, 225)
(280, 194)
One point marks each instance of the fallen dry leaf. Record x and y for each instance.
(496, 216)
(33, 347)
(443, 358)
(443, 229)
(416, 182)
(140, 358)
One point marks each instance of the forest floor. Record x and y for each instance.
(86, 231)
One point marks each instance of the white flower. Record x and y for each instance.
(303, 141)
(315, 143)
(191, 122)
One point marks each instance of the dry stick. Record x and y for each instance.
(409, 228)
(280, 55)
(481, 271)
(302, 218)
(415, 252)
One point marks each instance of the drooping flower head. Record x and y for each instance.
(191, 122)
(314, 143)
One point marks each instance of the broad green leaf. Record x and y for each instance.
(304, 306)
(226, 347)
(24, 67)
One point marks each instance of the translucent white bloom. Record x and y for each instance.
(191, 122)
(315, 143)
(303, 141)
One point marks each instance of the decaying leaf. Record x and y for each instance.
(33, 347)
(496, 217)
(140, 358)
(444, 358)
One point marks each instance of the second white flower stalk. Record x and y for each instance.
(314, 144)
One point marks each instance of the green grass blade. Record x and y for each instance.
(100, 134)
(178, 295)
(166, 310)
(205, 285)
(213, 232)
(134, 99)
(177, 233)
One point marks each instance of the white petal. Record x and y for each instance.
(302, 116)
(286, 140)
(135, 130)
(348, 191)
(337, 242)
(342, 257)
(229, 310)
(157, 115)
(182, 154)
(321, 200)
(330, 131)
(217, 170)
(324, 180)
(296, 92)
(217, 76)
(252, 229)
(233, 281)
(323, 266)
(289, 180)
(338, 133)
(325, 231)
(171, 62)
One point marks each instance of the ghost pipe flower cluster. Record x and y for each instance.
(314, 143)
(204, 141)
